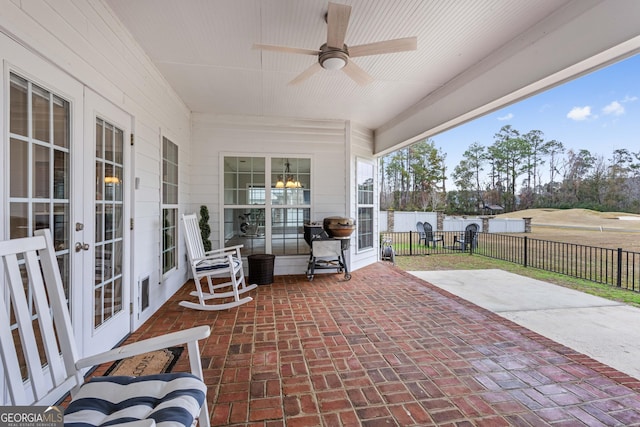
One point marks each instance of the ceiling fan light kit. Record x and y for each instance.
(334, 55)
(332, 58)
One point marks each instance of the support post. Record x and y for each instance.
(619, 275)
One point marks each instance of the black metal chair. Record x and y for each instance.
(431, 238)
(421, 235)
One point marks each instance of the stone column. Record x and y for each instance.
(485, 224)
(439, 220)
(527, 225)
(390, 221)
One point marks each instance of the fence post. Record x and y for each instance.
(410, 242)
(526, 251)
(619, 274)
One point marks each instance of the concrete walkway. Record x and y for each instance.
(605, 330)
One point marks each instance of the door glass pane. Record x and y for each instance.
(97, 306)
(41, 171)
(99, 180)
(99, 267)
(108, 142)
(19, 213)
(99, 223)
(117, 183)
(108, 180)
(107, 301)
(65, 271)
(117, 295)
(60, 227)
(117, 221)
(61, 127)
(108, 258)
(108, 222)
(60, 174)
(19, 155)
(41, 121)
(117, 258)
(19, 118)
(99, 139)
(118, 145)
(41, 216)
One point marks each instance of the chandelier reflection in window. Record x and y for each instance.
(288, 181)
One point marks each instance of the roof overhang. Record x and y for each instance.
(586, 36)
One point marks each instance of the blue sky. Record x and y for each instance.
(599, 112)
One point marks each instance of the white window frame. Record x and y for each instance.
(268, 206)
(370, 165)
(169, 206)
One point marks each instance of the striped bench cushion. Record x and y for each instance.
(215, 264)
(172, 399)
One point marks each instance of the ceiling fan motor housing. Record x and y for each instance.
(333, 58)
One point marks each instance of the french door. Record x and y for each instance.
(68, 171)
(106, 295)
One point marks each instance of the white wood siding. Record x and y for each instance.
(86, 41)
(323, 140)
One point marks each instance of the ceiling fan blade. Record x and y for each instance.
(286, 49)
(386, 46)
(306, 74)
(357, 74)
(337, 23)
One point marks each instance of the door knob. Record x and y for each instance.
(82, 246)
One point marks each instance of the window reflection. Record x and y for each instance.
(267, 217)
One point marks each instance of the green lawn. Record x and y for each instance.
(476, 262)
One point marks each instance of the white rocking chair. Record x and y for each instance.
(44, 351)
(225, 262)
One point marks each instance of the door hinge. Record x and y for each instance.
(131, 224)
(131, 139)
(130, 308)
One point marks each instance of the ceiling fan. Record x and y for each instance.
(336, 55)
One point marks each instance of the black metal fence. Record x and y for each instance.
(615, 267)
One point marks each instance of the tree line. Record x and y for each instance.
(518, 171)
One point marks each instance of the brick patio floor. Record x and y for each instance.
(387, 349)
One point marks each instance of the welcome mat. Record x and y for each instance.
(155, 362)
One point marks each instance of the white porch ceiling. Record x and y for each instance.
(204, 50)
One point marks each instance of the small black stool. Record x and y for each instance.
(261, 268)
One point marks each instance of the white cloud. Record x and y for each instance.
(580, 113)
(507, 117)
(545, 107)
(614, 108)
(629, 98)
